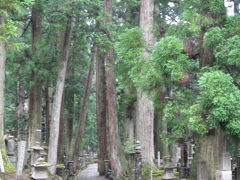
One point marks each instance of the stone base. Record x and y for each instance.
(223, 175)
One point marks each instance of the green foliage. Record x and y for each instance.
(213, 37)
(168, 62)
(129, 146)
(228, 53)
(218, 103)
(129, 51)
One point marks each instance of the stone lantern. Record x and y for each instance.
(36, 153)
(40, 169)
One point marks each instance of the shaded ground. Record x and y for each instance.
(91, 173)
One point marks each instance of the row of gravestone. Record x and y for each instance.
(35, 156)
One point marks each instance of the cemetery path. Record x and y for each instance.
(90, 173)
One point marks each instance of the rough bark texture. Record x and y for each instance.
(130, 121)
(160, 126)
(113, 134)
(2, 84)
(211, 149)
(84, 108)
(70, 124)
(145, 110)
(48, 99)
(101, 112)
(35, 97)
(61, 139)
(20, 111)
(54, 124)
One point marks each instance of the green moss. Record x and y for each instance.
(40, 163)
(8, 166)
(60, 166)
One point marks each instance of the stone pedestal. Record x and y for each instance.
(40, 170)
(169, 174)
(223, 175)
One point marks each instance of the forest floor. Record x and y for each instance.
(90, 173)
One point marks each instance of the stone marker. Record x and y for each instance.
(11, 145)
(21, 157)
(158, 159)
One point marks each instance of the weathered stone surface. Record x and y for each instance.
(21, 157)
(223, 175)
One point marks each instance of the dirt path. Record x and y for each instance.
(91, 173)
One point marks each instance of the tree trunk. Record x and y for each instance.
(35, 96)
(160, 125)
(101, 112)
(84, 109)
(2, 85)
(61, 139)
(236, 7)
(145, 110)
(20, 111)
(113, 134)
(48, 100)
(54, 124)
(70, 107)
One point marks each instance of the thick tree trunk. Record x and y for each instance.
(209, 155)
(62, 135)
(145, 110)
(21, 124)
(54, 124)
(2, 85)
(84, 109)
(130, 117)
(70, 107)
(101, 112)
(113, 134)
(35, 96)
(160, 125)
(48, 100)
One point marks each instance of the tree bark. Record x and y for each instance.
(145, 110)
(70, 111)
(61, 139)
(84, 109)
(35, 96)
(2, 85)
(160, 125)
(20, 111)
(113, 136)
(54, 124)
(101, 112)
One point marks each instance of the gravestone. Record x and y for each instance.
(21, 157)
(11, 145)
